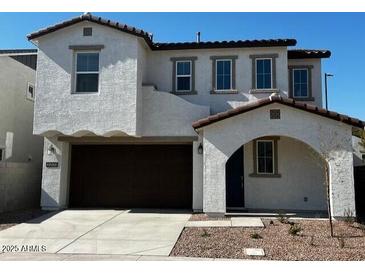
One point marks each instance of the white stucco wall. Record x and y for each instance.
(221, 139)
(20, 170)
(16, 113)
(159, 61)
(316, 77)
(112, 109)
(358, 151)
(302, 175)
(55, 180)
(165, 114)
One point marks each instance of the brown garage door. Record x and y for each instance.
(138, 176)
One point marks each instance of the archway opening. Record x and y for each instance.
(274, 174)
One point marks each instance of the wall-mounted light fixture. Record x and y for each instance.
(200, 148)
(51, 150)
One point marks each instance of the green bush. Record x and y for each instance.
(294, 229)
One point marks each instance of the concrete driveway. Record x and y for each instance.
(126, 232)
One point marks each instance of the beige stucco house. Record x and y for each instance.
(20, 150)
(210, 126)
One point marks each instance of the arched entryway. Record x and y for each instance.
(276, 173)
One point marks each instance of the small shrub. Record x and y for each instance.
(271, 222)
(282, 218)
(255, 235)
(295, 229)
(205, 233)
(349, 217)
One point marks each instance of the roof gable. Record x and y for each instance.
(284, 101)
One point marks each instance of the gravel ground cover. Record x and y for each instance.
(313, 242)
(9, 219)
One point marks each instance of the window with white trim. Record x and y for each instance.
(87, 72)
(264, 73)
(183, 75)
(300, 83)
(223, 74)
(30, 91)
(265, 156)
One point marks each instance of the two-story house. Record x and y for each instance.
(20, 150)
(208, 126)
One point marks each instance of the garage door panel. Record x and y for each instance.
(158, 176)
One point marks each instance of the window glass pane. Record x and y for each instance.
(260, 66)
(87, 82)
(220, 82)
(297, 92)
(261, 165)
(268, 149)
(260, 81)
(183, 83)
(303, 76)
(269, 165)
(220, 65)
(88, 62)
(183, 68)
(227, 67)
(261, 149)
(267, 65)
(227, 82)
(267, 81)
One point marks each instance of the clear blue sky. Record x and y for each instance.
(342, 33)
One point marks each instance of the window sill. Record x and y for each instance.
(258, 91)
(223, 92)
(265, 175)
(304, 99)
(184, 92)
(87, 92)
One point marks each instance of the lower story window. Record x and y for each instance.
(265, 156)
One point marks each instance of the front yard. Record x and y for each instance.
(313, 242)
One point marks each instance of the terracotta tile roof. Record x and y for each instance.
(284, 101)
(225, 44)
(18, 51)
(95, 19)
(163, 46)
(308, 53)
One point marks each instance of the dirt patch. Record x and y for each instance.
(204, 217)
(9, 219)
(312, 243)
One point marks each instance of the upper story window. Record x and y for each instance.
(87, 72)
(183, 75)
(265, 156)
(30, 91)
(223, 76)
(264, 73)
(300, 83)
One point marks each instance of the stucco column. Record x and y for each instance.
(342, 190)
(197, 178)
(214, 180)
(55, 179)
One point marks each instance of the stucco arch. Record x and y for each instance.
(325, 136)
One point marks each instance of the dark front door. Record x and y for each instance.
(234, 180)
(131, 176)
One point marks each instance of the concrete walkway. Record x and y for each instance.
(232, 222)
(112, 232)
(95, 257)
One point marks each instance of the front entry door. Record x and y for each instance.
(234, 180)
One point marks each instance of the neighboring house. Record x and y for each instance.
(209, 126)
(20, 150)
